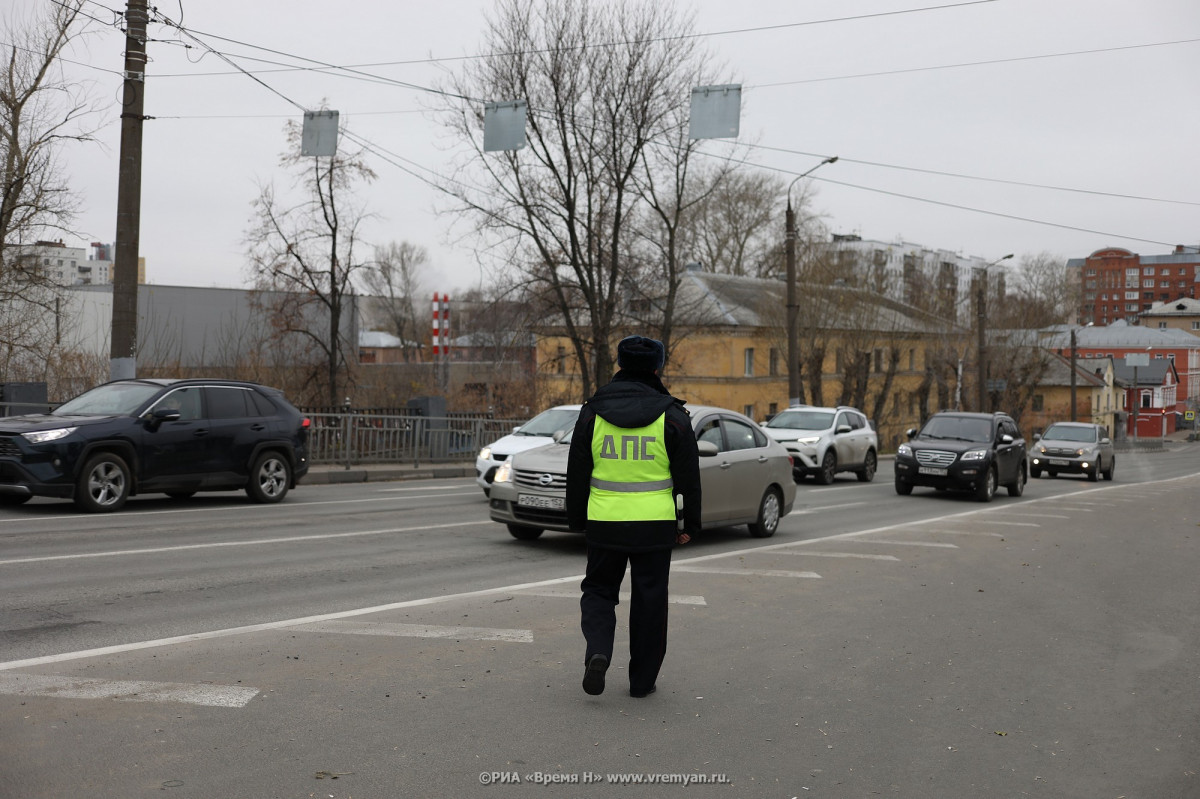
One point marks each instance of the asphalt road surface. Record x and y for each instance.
(386, 640)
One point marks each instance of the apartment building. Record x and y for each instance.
(1120, 285)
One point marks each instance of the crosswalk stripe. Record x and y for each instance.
(17, 683)
(745, 572)
(416, 631)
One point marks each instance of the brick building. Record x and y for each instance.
(1120, 285)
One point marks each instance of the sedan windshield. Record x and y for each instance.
(802, 420)
(1060, 432)
(547, 423)
(115, 398)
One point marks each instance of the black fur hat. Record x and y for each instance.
(640, 354)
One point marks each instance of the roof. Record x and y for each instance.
(1058, 373)
(1117, 335)
(1184, 306)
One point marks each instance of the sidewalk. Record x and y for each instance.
(327, 473)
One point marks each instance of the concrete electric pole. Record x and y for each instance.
(123, 358)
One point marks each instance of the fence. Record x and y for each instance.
(355, 437)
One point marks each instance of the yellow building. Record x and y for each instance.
(728, 348)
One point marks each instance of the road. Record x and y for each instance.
(387, 634)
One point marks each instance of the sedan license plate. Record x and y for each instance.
(934, 470)
(535, 501)
(1059, 462)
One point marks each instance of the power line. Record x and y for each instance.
(977, 177)
(972, 63)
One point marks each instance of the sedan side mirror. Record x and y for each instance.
(707, 449)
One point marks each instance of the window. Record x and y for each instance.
(1131, 306)
(1147, 397)
(748, 410)
(1158, 356)
(710, 431)
(741, 435)
(562, 360)
(184, 400)
(748, 358)
(774, 362)
(1039, 402)
(878, 360)
(773, 408)
(1162, 325)
(1148, 270)
(226, 403)
(1131, 295)
(1195, 325)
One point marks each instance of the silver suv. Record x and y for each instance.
(825, 441)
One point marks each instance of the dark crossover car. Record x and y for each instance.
(1075, 448)
(175, 437)
(964, 451)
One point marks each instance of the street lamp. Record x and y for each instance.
(981, 301)
(1074, 358)
(793, 309)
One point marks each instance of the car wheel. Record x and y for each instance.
(103, 484)
(986, 488)
(180, 494)
(1035, 472)
(15, 499)
(768, 515)
(270, 478)
(867, 473)
(1017, 487)
(828, 468)
(1112, 465)
(903, 488)
(1094, 475)
(523, 533)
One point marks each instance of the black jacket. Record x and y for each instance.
(634, 399)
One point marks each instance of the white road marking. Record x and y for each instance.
(822, 508)
(1035, 515)
(842, 555)
(677, 599)
(416, 631)
(1012, 524)
(220, 544)
(745, 572)
(504, 589)
(907, 543)
(963, 532)
(126, 690)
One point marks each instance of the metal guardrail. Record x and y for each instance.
(356, 438)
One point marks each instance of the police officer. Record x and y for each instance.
(632, 460)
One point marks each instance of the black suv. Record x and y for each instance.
(965, 451)
(143, 436)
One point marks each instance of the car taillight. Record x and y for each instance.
(306, 423)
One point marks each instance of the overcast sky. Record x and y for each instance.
(1064, 125)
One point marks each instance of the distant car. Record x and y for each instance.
(825, 441)
(175, 437)
(964, 451)
(537, 432)
(1073, 448)
(745, 477)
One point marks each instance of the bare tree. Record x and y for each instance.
(309, 248)
(739, 228)
(395, 277)
(41, 112)
(602, 82)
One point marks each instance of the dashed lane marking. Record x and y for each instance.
(416, 631)
(745, 572)
(625, 596)
(906, 543)
(859, 555)
(15, 683)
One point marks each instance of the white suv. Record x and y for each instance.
(825, 441)
(537, 432)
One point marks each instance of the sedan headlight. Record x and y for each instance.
(485, 454)
(504, 473)
(905, 450)
(43, 436)
(1041, 450)
(975, 455)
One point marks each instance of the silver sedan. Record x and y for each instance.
(745, 478)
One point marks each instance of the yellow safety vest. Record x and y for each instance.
(631, 473)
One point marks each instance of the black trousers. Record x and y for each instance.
(649, 574)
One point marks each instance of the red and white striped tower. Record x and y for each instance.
(441, 339)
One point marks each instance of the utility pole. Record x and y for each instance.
(123, 359)
(981, 302)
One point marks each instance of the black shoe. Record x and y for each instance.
(593, 675)
(643, 694)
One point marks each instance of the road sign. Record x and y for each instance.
(1189, 415)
